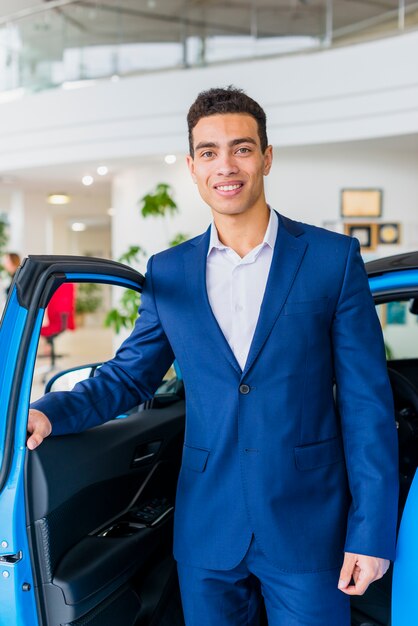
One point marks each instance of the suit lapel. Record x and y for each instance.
(287, 257)
(195, 274)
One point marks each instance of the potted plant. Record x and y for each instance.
(158, 203)
(88, 300)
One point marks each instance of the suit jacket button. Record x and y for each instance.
(244, 389)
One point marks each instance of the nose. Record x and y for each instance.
(227, 165)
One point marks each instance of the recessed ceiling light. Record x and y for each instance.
(111, 211)
(115, 78)
(58, 198)
(78, 227)
(87, 180)
(102, 170)
(170, 159)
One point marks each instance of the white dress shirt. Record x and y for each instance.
(236, 287)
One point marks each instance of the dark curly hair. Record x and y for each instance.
(229, 100)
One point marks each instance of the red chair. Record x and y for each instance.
(60, 317)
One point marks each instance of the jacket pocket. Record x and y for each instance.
(306, 306)
(195, 458)
(319, 454)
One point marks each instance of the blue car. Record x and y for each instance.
(86, 520)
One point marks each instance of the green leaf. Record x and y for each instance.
(3, 235)
(126, 313)
(178, 238)
(159, 202)
(132, 255)
(389, 352)
(89, 298)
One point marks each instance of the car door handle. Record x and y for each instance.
(145, 453)
(145, 457)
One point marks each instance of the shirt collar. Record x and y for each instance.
(269, 236)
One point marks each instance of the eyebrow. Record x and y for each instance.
(231, 144)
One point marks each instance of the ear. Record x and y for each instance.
(268, 160)
(190, 165)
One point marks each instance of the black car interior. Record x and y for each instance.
(100, 514)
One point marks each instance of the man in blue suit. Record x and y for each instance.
(284, 489)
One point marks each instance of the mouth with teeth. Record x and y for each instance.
(229, 189)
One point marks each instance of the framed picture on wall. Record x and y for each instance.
(366, 233)
(389, 233)
(396, 313)
(361, 202)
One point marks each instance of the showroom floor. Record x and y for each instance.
(88, 344)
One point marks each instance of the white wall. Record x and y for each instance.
(304, 184)
(153, 233)
(354, 92)
(35, 227)
(28, 217)
(95, 241)
(88, 206)
(368, 90)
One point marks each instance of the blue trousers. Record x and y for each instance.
(232, 597)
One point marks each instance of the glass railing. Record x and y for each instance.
(65, 43)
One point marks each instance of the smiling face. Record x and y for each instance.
(228, 165)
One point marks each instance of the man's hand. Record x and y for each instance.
(363, 570)
(39, 427)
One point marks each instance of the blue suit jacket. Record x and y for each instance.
(311, 477)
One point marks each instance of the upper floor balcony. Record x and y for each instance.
(47, 44)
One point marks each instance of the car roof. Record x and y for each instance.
(405, 261)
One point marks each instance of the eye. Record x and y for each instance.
(243, 150)
(207, 155)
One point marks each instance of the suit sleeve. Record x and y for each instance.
(365, 404)
(130, 378)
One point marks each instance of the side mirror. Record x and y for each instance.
(65, 380)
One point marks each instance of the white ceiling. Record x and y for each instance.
(89, 22)
(164, 20)
(94, 201)
(8, 7)
(67, 177)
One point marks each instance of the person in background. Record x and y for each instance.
(10, 262)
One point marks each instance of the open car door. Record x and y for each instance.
(395, 280)
(86, 519)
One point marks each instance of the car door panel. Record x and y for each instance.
(69, 488)
(18, 605)
(54, 501)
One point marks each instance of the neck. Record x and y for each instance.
(242, 232)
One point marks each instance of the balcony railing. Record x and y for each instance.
(64, 43)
